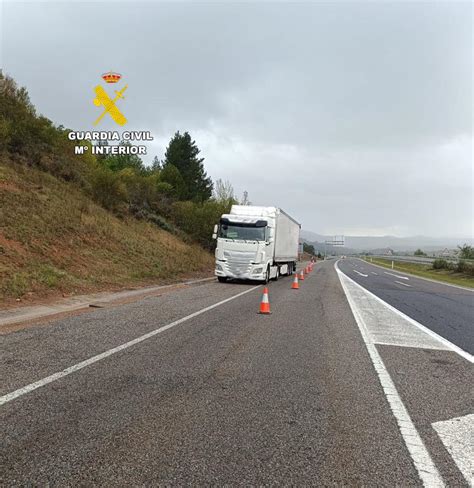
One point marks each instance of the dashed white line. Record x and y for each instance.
(404, 284)
(76, 367)
(359, 273)
(397, 276)
(437, 282)
(374, 273)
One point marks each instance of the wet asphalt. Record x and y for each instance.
(228, 397)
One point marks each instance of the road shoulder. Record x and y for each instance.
(17, 318)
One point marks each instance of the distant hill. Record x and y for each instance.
(371, 243)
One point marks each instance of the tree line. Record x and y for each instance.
(176, 194)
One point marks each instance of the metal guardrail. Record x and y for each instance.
(419, 259)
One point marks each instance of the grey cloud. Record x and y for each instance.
(363, 109)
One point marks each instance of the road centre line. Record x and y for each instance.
(397, 276)
(359, 273)
(374, 273)
(76, 367)
(420, 456)
(404, 284)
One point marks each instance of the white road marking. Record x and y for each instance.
(386, 327)
(404, 284)
(362, 274)
(434, 335)
(374, 273)
(437, 282)
(76, 367)
(397, 276)
(421, 458)
(449, 345)
(457, 435)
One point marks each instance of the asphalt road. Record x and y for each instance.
(224, 396)
(445, 309)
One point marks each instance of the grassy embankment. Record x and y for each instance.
(55, 240)
(426, 271)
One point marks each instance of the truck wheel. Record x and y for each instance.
(267, 275)
(221, 279)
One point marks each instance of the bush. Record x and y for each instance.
(158, 220)
(464, 267)
(440, 264)
(309, 248)
(108, 190)
(466, 251)
(4, 134)
(198, 219)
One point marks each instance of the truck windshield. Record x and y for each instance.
(229, 231)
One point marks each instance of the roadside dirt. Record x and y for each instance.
(49, 297)
(14, 327)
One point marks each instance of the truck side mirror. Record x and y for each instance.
(214, 236)
(215, 230)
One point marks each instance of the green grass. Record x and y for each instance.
(426, 271)
(55, 240)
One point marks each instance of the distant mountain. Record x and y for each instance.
(370, 243)
(309, 236)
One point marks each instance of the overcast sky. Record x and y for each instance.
(356, 118)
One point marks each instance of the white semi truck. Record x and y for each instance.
(256, 243)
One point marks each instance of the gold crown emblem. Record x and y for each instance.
(111, 77)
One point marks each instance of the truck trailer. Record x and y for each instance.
(256, 243)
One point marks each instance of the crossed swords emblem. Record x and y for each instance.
(109, 105)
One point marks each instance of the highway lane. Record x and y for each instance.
(446, 310)
(226, 397)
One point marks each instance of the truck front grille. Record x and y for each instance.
(238, 263)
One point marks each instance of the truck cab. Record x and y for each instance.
(246, 245)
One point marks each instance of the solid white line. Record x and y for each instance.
(420, 456)
(397, 276)
(362, 274)
(404, 284)
(76, 367)
(457, 435)
(412, 346)
(450, 345)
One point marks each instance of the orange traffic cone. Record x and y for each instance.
(295, 285)
(302, 275)
(264, 304)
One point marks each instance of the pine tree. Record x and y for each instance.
(183, 153)
(156, 165)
